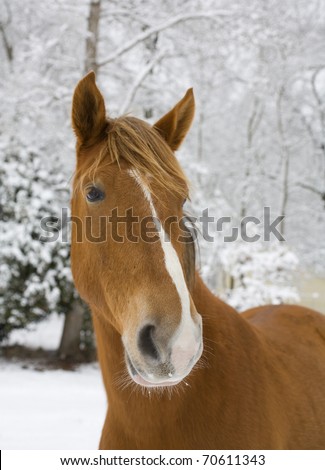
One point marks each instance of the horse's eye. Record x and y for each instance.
(94, 194)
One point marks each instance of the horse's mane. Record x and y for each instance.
(141, 146)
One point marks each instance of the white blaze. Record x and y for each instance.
(186, 342)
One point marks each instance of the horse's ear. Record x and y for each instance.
(174, 126)
(88, 110)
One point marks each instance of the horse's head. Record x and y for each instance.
(132, 255)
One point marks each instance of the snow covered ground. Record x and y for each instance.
(50, 410)
(53, 409)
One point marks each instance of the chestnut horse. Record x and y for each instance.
(182, 369)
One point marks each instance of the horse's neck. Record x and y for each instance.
(210, 307)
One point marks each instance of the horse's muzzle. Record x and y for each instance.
(157, 363)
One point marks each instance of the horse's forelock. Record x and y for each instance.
(135, 142)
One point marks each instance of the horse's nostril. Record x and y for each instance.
(146, 342)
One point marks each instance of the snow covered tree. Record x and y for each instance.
(35, 276)
(257, 273)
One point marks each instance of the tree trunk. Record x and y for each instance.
(286, 158)
(252, 126)
(70, 341)
(92, 37)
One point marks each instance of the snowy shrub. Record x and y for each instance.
(258, 273)
(35, 277)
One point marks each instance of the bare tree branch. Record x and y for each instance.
(7, 46)
(319, 102)
(3, 24)
(312, 189)
(210, 15)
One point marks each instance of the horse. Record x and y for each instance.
(181, 368)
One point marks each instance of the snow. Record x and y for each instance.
(54, 409)
(46, 334)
